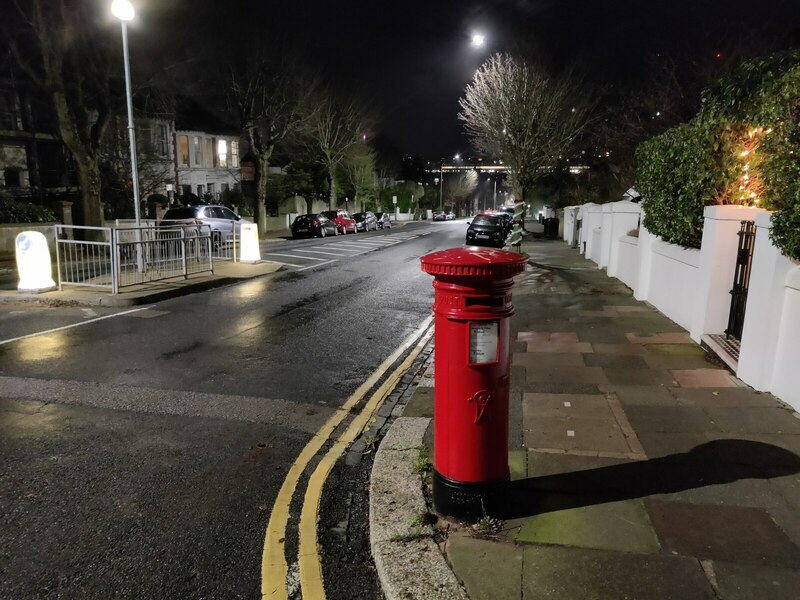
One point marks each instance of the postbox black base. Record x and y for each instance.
(466, 501)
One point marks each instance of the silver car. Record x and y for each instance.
(221, 219)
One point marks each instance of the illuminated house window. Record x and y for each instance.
(209, 153)
(234, 154)
(183, 148)
(222, 153)
(198, 151)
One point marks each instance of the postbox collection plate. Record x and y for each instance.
(483, 342)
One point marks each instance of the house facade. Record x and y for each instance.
(206, 163)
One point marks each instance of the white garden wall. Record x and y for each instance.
(692, 287)
(673, 287)
(627, 260)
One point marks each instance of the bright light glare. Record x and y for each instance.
(478, 39)
(457, 157)
(122, 9)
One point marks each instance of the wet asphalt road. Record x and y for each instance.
(141, 454)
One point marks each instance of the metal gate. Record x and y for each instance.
(741, 279)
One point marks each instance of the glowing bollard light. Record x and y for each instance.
(250, 251)
(33, 262)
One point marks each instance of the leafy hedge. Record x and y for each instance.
(12, 211)
(696, 164)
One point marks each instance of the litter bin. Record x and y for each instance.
(551, 228)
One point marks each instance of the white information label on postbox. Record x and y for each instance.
(482, 342)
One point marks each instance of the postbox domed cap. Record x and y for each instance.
(473, 261)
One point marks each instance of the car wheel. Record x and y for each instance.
(216, 240)
(322, 232)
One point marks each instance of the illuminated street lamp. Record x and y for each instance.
(123, 10)
(478, 40)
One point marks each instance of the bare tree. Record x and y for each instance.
(516, 112)
(334, 128)
(268, 97)
(64, 49)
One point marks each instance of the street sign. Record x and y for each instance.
(394, 199)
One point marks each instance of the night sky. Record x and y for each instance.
(411, 59)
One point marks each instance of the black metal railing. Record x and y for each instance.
(741, 279)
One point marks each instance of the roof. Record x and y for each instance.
(190, 115)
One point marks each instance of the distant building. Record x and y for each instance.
(207, 153)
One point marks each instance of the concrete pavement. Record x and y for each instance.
(641, 468)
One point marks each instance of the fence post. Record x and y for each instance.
(234, 242)
(115, 262)
(183, 253)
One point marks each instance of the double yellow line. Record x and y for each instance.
(273, 561)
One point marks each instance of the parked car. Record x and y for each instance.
(221, 219)
(486, 231)
(449, 216)
(384, 222)
(344, 222)
(313, 225)
(366, 221)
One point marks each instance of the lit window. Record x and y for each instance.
(234, 154)
(209, 153)
(222, 152)
(198, 152)
(183, 143)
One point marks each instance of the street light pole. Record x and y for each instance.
(441, 187)
(123, 10)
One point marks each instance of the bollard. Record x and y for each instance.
(472, 308)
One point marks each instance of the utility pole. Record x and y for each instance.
(441, 187)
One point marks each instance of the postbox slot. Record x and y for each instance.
(494, 301)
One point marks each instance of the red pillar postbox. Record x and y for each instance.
(472, 308)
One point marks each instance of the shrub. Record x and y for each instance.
(13, 211)
(678, 175)
(741, 148)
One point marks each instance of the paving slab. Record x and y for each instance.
(669, 419)
(554, 573)
(742, 535)
(622, 526)
(488, 569)
(679, 337)
(420, 404)
(566, 374)
(560, 387)
(734, 397)
(531, 360)
(749, 419)
(592, 406)
(641, 395)
(571, 433)
(699, 378)
(746, 582)
(657, 444)
(518, 464)
(615, 361)
(620, 349)
(559, 347)
(625, 376)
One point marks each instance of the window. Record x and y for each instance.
(225, 187)
(161, 142)
(186, 189)
(212, 187)
(11, 178)
(229, 214)
(198, 151)
(222, 152)
(210, 159)
(234, 154)
(200, 190)
(183, 149)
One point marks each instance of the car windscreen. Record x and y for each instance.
(304, 218)
(379, 215)
(483, 220)
(359, 217)
(180, 213)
